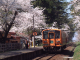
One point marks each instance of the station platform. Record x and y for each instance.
(25, 54)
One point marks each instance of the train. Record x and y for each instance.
(54, 39)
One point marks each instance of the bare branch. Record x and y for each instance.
(3, 28)
(11, 4)
(1, 2)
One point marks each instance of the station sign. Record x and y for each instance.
(34, 33)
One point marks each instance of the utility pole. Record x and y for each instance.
(33, 35)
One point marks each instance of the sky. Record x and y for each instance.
(68, 8)
(69, 0)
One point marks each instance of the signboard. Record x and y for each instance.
(34, 33)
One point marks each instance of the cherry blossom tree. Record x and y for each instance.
(7, 17)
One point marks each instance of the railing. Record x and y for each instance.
(9, 47)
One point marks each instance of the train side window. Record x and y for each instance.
(57, 34)
(63, 36)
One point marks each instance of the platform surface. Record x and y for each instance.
(18, 52)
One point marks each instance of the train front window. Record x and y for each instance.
(57, 34)
(51, 35)
(45, 34)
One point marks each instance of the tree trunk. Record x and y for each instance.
(8, 28)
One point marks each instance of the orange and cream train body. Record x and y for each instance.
(54, 39)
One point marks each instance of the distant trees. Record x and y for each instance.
(72, 29)
(76, 14)
(7, 17)
(29, 31)
(53, 10)
(77, 36)
(76, 17)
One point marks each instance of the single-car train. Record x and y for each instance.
(54, 39)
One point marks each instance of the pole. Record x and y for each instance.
(33, 31)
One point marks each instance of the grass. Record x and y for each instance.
(77, 52)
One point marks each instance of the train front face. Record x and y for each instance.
(51, 38)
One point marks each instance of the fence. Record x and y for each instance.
(9, 46)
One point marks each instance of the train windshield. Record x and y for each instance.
(51, 35)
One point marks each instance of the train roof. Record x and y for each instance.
(52, 29)
(56, 29)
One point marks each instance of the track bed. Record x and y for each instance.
(67, 52)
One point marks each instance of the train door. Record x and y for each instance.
(51, 36)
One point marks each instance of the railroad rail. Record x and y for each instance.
(66, 54)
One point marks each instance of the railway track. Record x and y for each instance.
(67, 52)
(46, 56)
